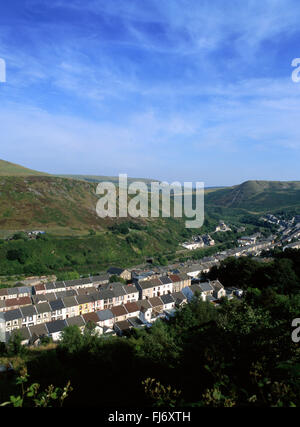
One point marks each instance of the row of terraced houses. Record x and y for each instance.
(46, 309)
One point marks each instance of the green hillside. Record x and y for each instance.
(257, 196)
(11, 169)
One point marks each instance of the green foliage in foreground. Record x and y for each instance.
(31, 396)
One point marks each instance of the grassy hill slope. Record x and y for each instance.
(257, 196)
(11, 169)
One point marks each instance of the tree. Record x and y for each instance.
(71, 340)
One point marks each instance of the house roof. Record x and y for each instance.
(179, 297)
(12, 315)
(130, 289)
(39, 287)
(115, 270)
(43, 307)
(175, 278)
(50, 286)
(100, 278)
(106, 294)
(132, 307)
(78, 282)
(205, 287)
(38, 330)
(167, 299)
(86, 291)
(123, 325)
(12, 291)
(28, 311)
(55, 326)
(117, 288)
(3, 292)
(60, 285)
(91, 317)
(155, 302)
(165, 280)
(69, 302)
(24, 290)
(84, 299)
(144, 303)
(11, 302)
(37, 299)
(118, 310)
(56, 305)
(217, 285)
(25, 333)
(135, 322)
(151, 283)
(75, 321)
(51, 296)
(105, 314)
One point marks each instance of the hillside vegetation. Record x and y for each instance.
(11, 169)
(257, 195)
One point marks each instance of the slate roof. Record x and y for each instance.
(165, 280)
(167, 299)
(69, 302)
(43, 307)
(144, 303)
(84, 299)
(106, 294)
(24, 290)
(135, 322)
(38, 330)
(3, 292)
(130, 289)
(28, 311)
(12, 291)
(117, 288)
(178, 297)
(123, 325)
(50, 286)
(205, 287)
(38, 299)
(155, 301)
(100, 278)
(55, 326)
(25, 333)
(78, 282)
(56, 305)
(115, 270)
(105, 314)
(12, 315)
(151, 283)
(60, 285)
(76, 320)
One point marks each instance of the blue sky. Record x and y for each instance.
(167, 89)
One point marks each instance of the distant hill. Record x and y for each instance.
(257, 195)
(101, 178)
(11, 169)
